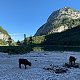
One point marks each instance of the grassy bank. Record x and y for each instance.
(15, 49)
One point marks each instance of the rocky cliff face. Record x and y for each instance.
(3, 34)
(60, 20)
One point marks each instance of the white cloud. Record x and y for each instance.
(17, 34)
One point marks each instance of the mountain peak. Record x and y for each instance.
(60, 20)
(64, 12)
(66, 7)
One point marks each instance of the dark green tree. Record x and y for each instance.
(30, 39)
(25, 40)
(18, 43)
(9, 41)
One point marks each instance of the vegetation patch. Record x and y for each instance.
(15, 49)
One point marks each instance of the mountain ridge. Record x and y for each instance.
(3, 36)
(60, 20)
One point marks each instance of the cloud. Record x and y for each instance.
(17, 34)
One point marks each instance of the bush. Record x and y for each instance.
(15, 49)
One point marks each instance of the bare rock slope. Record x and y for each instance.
(60, 20)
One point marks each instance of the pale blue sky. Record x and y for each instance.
(26, 16)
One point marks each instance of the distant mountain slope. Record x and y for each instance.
(60, 20)
(3, 31)
(3, 36)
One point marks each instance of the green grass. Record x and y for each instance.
(15, 49)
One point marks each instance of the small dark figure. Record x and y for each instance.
(72, 60)
(25, 62)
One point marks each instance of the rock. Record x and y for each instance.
(60, 20)
(56, 69)
(76, 65)
(3, 34)
(61, 70)
(48, 68)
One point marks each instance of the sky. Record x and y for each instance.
(21, 17)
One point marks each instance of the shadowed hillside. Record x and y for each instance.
(69, 37)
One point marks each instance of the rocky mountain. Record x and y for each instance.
(60, 20)
(3, 34)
